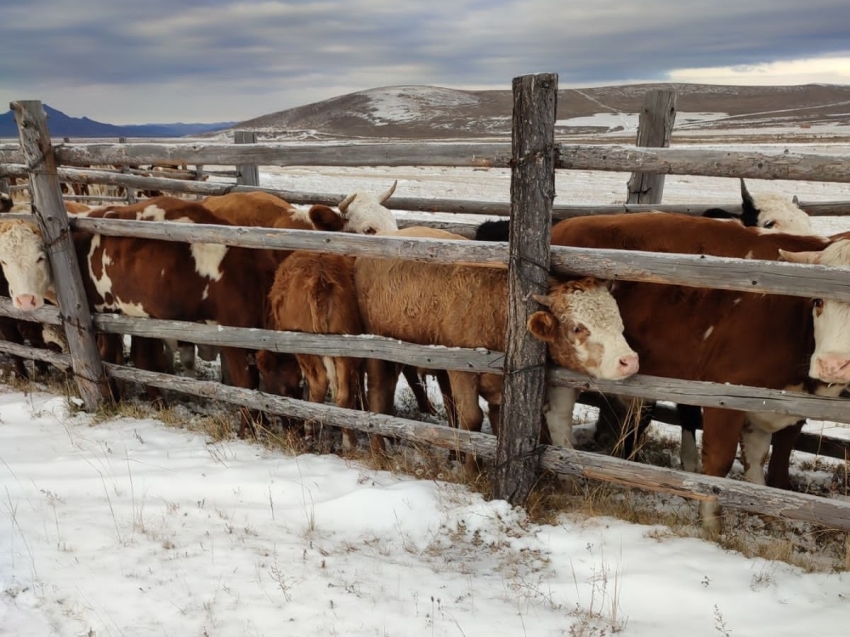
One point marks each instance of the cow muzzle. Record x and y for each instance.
(27, 302)
(831, 368)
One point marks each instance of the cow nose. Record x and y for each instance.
(628, 365)
(26, 302)
(833, 367)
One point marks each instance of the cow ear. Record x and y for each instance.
(543, 326)
(325, 218)
(799, 257)
(544, 299)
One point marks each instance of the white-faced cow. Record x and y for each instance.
(466, 306)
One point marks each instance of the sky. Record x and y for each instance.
(157, 61)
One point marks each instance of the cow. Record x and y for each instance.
(466, 306)
(771, 212)
(360, 212)
(714, 335)
(314, 293)
(158, 279)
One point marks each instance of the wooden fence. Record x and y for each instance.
(533, 158)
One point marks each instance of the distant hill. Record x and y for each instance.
(62, 125)
(430, 112)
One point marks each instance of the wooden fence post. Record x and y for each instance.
(535, 100)
(49, 211)
(247, 175)
(655, 129)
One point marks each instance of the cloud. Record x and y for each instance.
(123, 61)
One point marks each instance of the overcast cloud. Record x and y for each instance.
(139, 61)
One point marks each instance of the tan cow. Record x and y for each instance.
(466, 306)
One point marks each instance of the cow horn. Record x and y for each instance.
(389, 193)
(745, 194)
(544, 299)
(343, 205)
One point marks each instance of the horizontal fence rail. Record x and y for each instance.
(668, 161)
(706, 394)
(745, 275)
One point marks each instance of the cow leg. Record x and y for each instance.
(111, 350)
(490, 388)
(317, 388)
(720, 435)
(9, 332)
(417, 386)
(690, 417)
(448, 403)
(187, 355)
(207, 352)
(755, 444)
(242, 375)
(381, 379)
(348, 388)
(150, 354)
(780, 458)
(469, 414)
(558, 415)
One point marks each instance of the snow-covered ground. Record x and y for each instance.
(128, 527)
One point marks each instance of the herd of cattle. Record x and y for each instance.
(606, 330)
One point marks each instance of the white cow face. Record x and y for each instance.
(365, 213)
(25, 264)
(584, 330)
(830, 361)
(777, 214)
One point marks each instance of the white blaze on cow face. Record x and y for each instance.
(830, 361)
(24, 262)
(584, 330)
(365, 213)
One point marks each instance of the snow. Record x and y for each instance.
(129, 527)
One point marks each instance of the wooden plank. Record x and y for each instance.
(535, 102)
(747, 275)
(655, 128)
(709, 163)
(247, 174)
(451, 358)
(417, 204)
(287, 154)
(53, 220)
(670, 161)
(706, 394)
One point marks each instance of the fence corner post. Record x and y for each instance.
(655, 128)
(247, 174)
(49, 211)
(535, 100)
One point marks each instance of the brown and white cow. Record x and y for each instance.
(466, 306)
(714, 335)
(159, 279)
(360, 212)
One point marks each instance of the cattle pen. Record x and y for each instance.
(533, 158)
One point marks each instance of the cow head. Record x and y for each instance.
(281, 373)
(584, 330)
(830, 361)
(24, 262)
(774, 213)
(365, 213)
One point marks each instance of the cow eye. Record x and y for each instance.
(370, 231)
(577, 329)
(40, 258)
(818, 303)
(769, 224)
